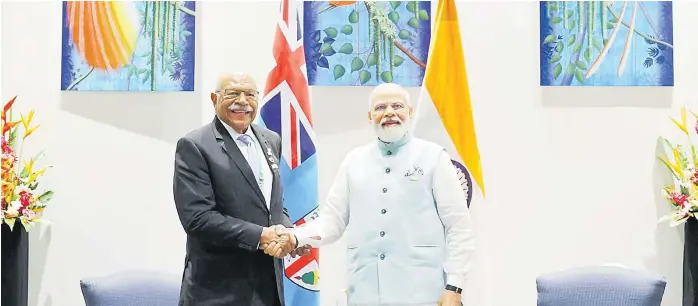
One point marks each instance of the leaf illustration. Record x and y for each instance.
(413, 22)
(587, 54)
(570, 14)
(570, 69)
(323, 62)
(316, 36)
(338, 71)
(356, 64)
(387, 76)
(403, 34)
(571, 40)
(423, 15)
(371, 60)
(353, 16)
(397, 60)
(394, 17)
(557, 70)
(559, 48)
(581, 65)
(555, 59)
(578, 75)
(328, 40)
(347, 29)
(571, 24)
(577, 48)
(346, 48)
(326, 49)
(597, 44)
(550, 38)
(394, 4)
(364, 76)
(411, 6)
(331, 32)
(556, 20)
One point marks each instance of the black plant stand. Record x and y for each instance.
(15, 266)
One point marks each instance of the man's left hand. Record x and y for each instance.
(449, 298)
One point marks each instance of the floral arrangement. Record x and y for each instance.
(21, 200)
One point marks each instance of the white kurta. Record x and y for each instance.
(450, 203)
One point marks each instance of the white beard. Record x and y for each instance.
(391, 133)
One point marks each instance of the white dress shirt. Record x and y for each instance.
(451, 204)
(265, 174)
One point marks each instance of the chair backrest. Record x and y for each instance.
(133, 288)
(600, 286)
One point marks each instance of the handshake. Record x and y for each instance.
(278, 241)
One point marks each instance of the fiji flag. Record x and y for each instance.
(285, 109)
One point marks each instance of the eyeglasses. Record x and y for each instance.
(381, 107)
(234, 95)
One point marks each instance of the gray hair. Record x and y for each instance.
(389, 88)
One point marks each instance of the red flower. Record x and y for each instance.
(679, 199)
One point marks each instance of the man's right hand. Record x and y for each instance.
(277, 241)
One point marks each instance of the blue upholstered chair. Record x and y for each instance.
(132, 288)
(604, 285)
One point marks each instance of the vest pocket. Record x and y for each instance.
(428, 255)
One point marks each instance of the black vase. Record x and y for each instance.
(15, 266)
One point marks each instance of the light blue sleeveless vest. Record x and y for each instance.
(396, 243)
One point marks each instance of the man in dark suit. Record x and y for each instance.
(227, 190)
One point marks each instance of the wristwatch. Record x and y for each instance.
(454, 289)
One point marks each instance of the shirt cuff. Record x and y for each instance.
(303, 235)
(456, 281)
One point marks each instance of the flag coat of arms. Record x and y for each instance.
(286, 110)
(444, 113)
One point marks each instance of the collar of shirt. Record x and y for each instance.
(389, 148)
(234, 134)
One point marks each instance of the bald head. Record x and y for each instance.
(388, 91)
(235, 79)
(235, 100)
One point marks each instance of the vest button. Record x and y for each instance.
(387, 170)
(385, 190)
(383, 211)
(390, 153)
(382, 256)
(382, 233)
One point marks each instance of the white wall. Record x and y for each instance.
(570, 172)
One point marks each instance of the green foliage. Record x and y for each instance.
(397, 60)
(412, 6)
(347, 29)
(578, 75)
(353, 16)
(394, 17)
(346, 48)
(557, 70)
(371, 60)
(550, 38)
(403, 34)
(394, 4)
(423, 15)
(338, 71)
(413, 22)
(356, 64)
(556, 20)
(570, 41)
(581, 65)
(326, 49)
(364, 76)
(331, 32)
(556, 58)
(387, 76)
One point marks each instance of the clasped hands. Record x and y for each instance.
(278, 241)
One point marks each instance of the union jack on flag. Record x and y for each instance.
(285, 109)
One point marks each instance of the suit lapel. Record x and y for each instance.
(230, 147)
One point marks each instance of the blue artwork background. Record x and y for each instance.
(648, 63)
(324, 51)
(178, 74)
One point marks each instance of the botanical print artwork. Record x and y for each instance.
(128, 46)
(606, 43)
(354, 43)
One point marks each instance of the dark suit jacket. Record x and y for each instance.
(223, 210)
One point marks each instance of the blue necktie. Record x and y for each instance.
(252, 156)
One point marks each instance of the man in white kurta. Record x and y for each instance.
(409, 237)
